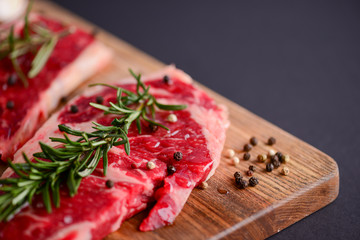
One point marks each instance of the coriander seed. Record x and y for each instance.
(247, 156)
(247, 147)
(285, 171)
(285, 158)
(271, 141)
(253, 181)
(150, 165)
(253, 141)
(262, 157)
(269, 167)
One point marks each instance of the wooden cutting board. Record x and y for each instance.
(254, 213)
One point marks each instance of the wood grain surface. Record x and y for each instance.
(254, 213)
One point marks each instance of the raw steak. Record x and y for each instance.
(97, 210)
(75, 58)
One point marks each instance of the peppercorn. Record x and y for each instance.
(242, 183)
(236, 160)
(10, 104)
(274, 158)
(247, 156)
(150, 165)
(271, 141)
(247, 147)
(178, 156)
(74, 109)
(229, 153)
(285, 158)
(134, 166)
(12, 79)
(269, 167)
(252, 168)
(279, 154)
(171, 169)
(167, 79)
(203, 185)
(249, 173)
(262, 157)
(253, 141)
(253, 181)
(285, 171)
(63, 99)
(109, 184)
(237, 175)
(99, 99)
(171, 118)
(153, 127)
(271, 152)
(276, 163)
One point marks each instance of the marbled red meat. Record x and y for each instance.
(75, 57)
(96, 210)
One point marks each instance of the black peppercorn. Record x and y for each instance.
(12, 79)
(153, 127)
(178, 156)
(274, 158)
(10, 104)
(253, 141)
(279, 154)
(276, 163)
(271, 141)
(99, 99)
(269, 167)
(252, 168)
(74, 109)
(247, 156)
(237, 175)
(253, 181)
(167, 79)
(109, 184)
(242, 183)
(247, 147)
(63, 99)
(249, 173)
(171, 169)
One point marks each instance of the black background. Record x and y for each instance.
(296, 64)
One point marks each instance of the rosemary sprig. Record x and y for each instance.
(35, 39)
(72, 160)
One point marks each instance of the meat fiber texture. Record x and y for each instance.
(97, 210)
(75, 58)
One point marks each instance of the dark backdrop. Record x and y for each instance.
(296, 64)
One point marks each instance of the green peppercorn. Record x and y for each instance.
(99, 99)
(178, 156)
(237, 175)
(171, 169)
(109, 184)
(271, 141)
(247, 147)
(262, 157)
(285, 158)
(247, 156)
(10, 104)
(269, 167)
(253, 181)
(253, 141)
(241, 183)
(252, 168)
(74, 108)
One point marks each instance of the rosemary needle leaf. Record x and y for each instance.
(42, 56)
